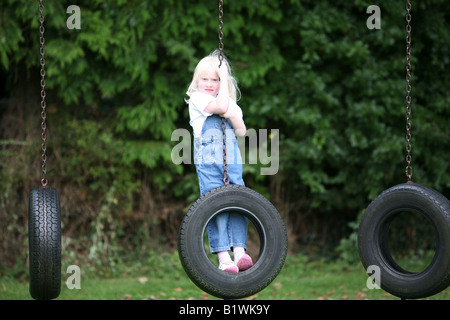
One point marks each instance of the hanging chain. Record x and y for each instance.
(44, 180)
(220, 32)
(408, 169)
(226, 179)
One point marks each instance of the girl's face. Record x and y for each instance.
(209, 83)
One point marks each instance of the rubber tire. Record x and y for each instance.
(373, 245)
(272, 234)
(44, 237)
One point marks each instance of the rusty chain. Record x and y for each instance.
(220, 32)
(408, 170)
(44, 180)
(226, 179)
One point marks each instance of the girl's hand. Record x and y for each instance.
(222, 71)
(228, 114)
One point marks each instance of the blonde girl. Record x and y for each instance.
(212, 94)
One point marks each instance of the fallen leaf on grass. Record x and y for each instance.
(204, 296)
(326, 295)
(361, 295)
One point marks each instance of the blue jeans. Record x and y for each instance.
(228, 229)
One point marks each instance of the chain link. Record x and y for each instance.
(220, 32)
(408, 170)
(226, 179)
(44, 180)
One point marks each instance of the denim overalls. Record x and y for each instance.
(226, 230)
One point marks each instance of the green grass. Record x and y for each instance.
(300, 279)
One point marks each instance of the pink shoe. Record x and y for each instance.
(244, 263)
(229, 267)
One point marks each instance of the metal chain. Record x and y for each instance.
(220, 32)
(226, 179)
(44, 180)
(408, 170)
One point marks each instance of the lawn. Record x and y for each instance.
(300, 279)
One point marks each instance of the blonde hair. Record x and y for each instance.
(211, 62)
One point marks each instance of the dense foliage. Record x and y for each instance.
(312, 69)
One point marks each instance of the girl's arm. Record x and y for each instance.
(221, 103)
(236, 121)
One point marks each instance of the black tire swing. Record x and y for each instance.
(408, 198)
(44, 216)
(243, 200)
(267, 222)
